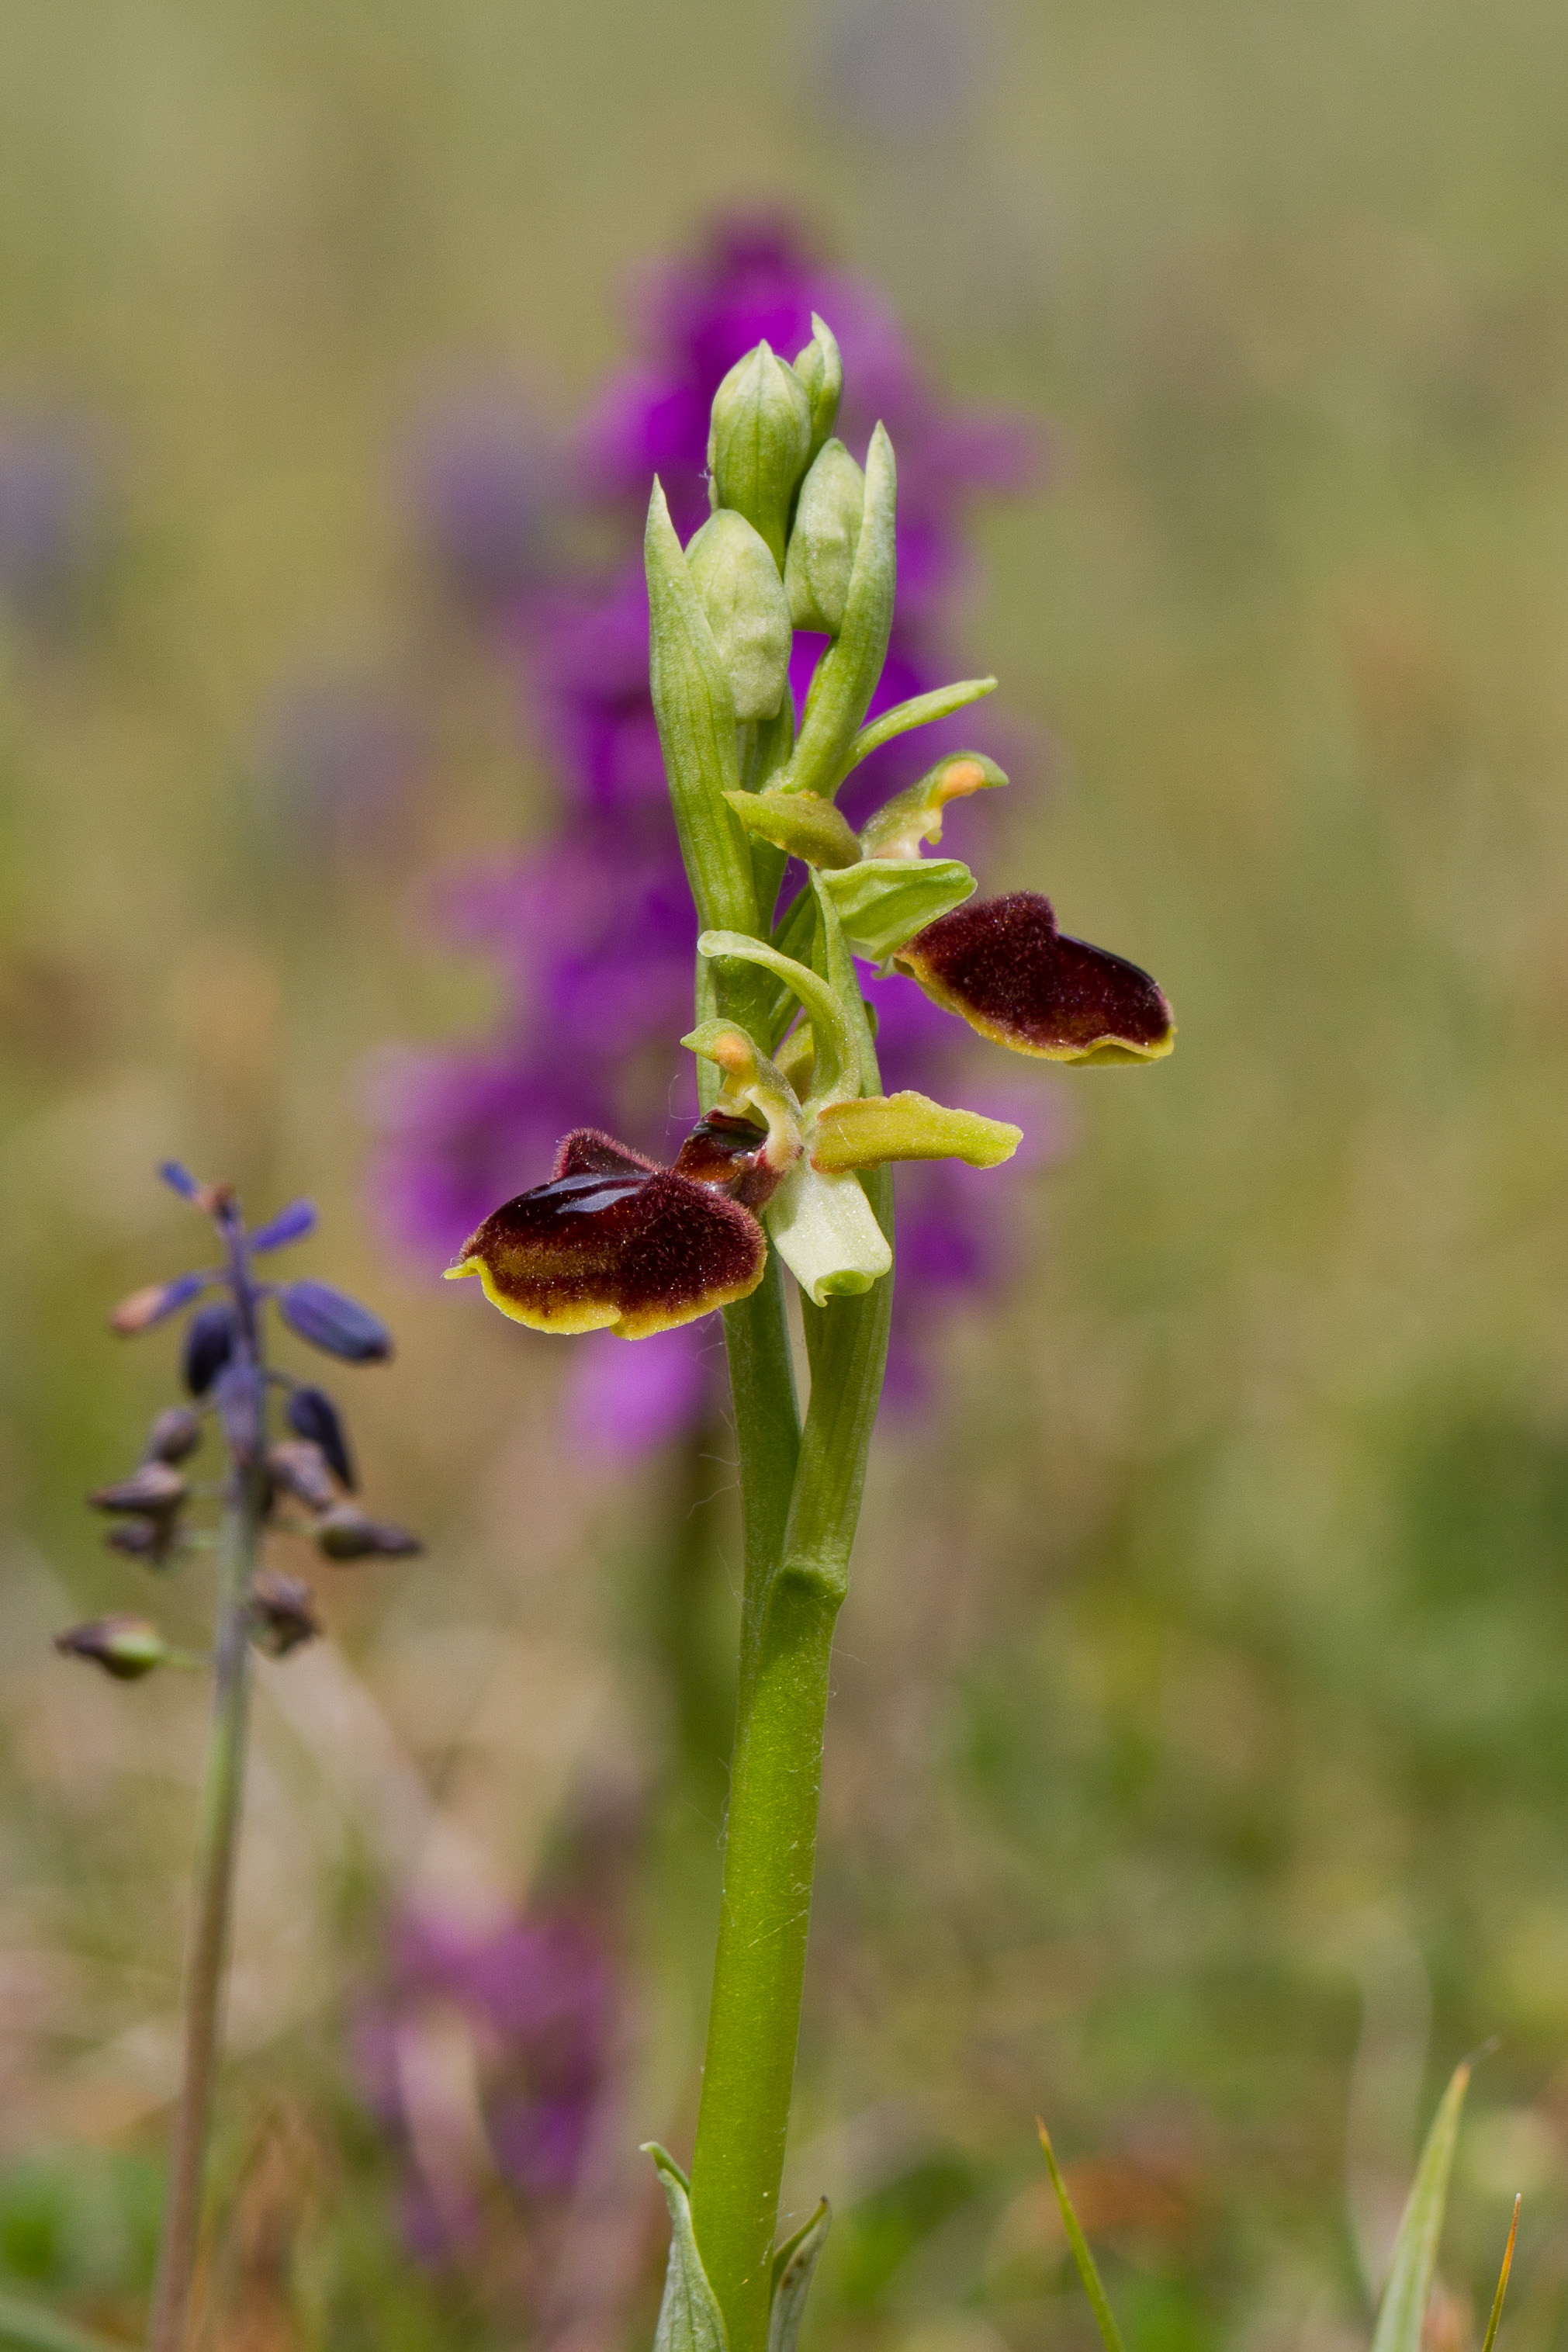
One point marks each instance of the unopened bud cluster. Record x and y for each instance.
(298, 1480)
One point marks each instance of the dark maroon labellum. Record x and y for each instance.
(209, 1344)
(614, 1245)
(1003, 966)
(311, 1413)
(333, 1322)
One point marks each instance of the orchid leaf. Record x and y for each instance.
(1403, 2306)
(794, 2265)
(883, 902)
(1100, 2303)
(907, 1126)
(689, 2317)
(919, 711)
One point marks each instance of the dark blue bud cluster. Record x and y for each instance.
(296, 1483)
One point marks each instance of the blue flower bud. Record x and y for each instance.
(238, 1394)
(159, 1300)
(175, 1433)
(209, 1344)
(333, 1322)
(290, 1225)
(822, 545)
(743, 597)
(759, 441)
(153, 1489)
(179, 1180)
(346, 1532)
(282, 1614)
(311, 1413)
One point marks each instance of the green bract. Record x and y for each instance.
(747, 608)
(848, 672)
(759, 444)
(821, 372)
(883, 901)
(799, 824)
(821, 557)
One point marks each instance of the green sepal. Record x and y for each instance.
(759, 443)
(826, 532)
(794, 2265)
(906, 1125)
(820, 370)
(920, 712)
(915, 815)
(883, 901)
(838, 1072)
(823, 1229)
(1402, 2310)
(743, 597)
(799, 824)
(689, 2317)
(847, 674)
(695, 713)
(752, 1082)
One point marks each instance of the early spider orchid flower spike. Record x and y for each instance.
(1004, 967)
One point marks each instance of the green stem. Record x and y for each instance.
(796, 1576)
(225, 1778)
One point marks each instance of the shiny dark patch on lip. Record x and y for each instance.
(1004, 967)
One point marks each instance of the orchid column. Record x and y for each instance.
(793, 1150)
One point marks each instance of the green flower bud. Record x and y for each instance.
(759, 443)
(737, 583)
(821, 372)
(821, 555)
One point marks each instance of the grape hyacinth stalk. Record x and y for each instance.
(301, 1483)
(788, 1170)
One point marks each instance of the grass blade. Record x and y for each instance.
(1105, 2318)
(1502, 2278)
(1403, 2305)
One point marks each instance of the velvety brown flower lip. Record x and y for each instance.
(614, 1243)
(1004, 967)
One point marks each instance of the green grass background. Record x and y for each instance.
(1204, 1692)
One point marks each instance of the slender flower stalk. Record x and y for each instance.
(789, 1168)
(299, 1482)
(239, 1538)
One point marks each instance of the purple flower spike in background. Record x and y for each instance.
(593, 932)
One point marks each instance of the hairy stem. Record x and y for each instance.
(796, 1576)
(208, 1950)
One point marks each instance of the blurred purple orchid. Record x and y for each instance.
(482, 2053)
(595, 933)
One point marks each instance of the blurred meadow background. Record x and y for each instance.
(1199, 1763)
